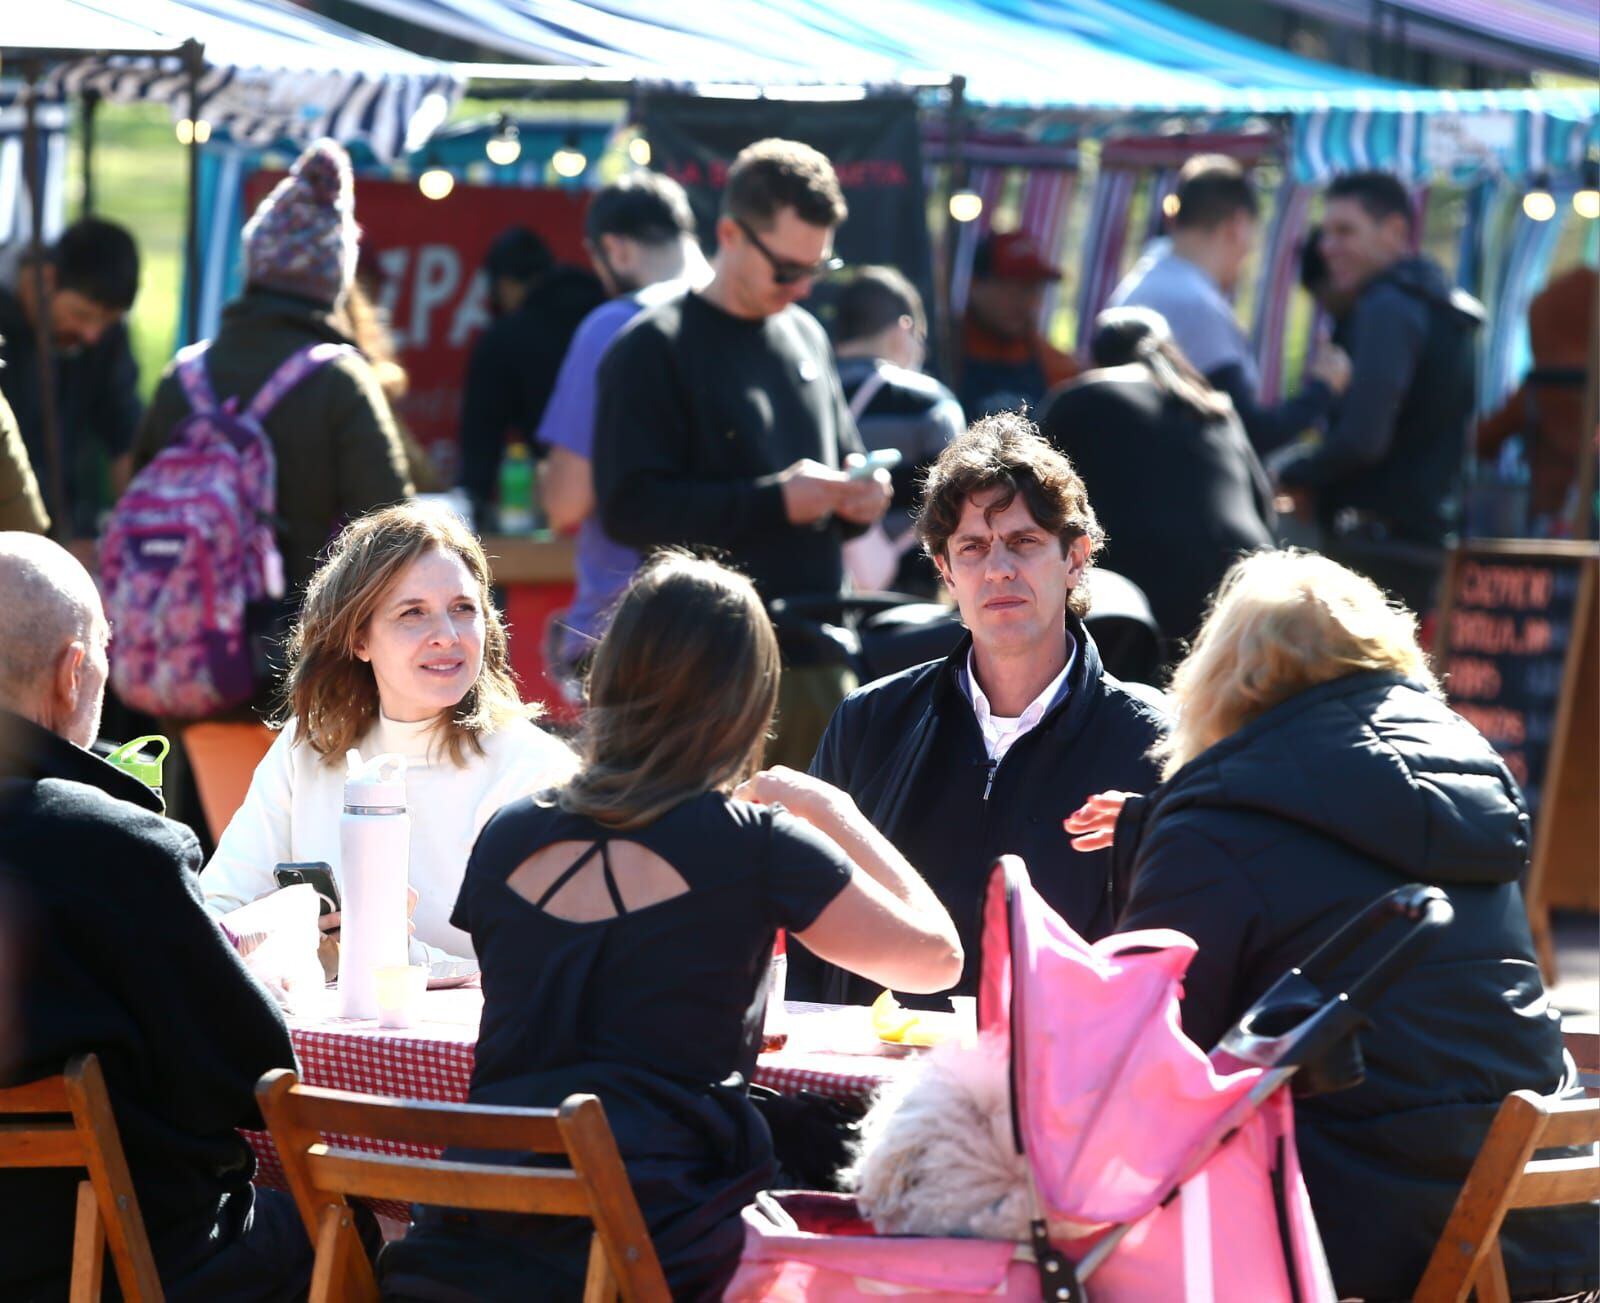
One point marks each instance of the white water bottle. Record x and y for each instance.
(374, 858)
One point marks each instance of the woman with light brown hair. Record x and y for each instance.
(398, 649)
(624, 921)
(1314, 767)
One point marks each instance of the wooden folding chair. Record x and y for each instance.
(622, 1261)
(1506, 1175)
(66, 1121)
(1585, 1050)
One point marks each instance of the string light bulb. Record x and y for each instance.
(569, 160)
(1586, 203)
(1539, 205)
(639, 151)
(504, 147)
(436, 183)
(1170, 205)
(192, 132)
(966, 206)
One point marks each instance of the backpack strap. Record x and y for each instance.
(293, 370)
(192, 376)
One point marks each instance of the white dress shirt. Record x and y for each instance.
(1000, 732)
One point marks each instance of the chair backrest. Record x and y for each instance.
(1506, 1175)
(622, 1260)
(67, 1121)
(223, 758)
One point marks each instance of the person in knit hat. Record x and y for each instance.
(303, 238)
(338, 452)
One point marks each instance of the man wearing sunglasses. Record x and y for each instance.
(722, 424)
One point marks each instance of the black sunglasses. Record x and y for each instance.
(785, 272)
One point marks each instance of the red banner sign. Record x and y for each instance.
(427, 253)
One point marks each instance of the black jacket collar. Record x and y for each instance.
(30, 754)
(1085, 673)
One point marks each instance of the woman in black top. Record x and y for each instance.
(1174, 481)
(625, 921)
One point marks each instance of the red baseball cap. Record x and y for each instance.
(1012, 256)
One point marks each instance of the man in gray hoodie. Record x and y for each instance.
(1386, 479)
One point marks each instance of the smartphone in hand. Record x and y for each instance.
(319, 875)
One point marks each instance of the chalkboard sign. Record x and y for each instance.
(1506, 628)
(1516, 649)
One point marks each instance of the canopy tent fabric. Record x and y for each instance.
(1456, 136)
(1516, 34)
(272, 70)
(1107, 54)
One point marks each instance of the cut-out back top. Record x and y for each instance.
(677, 987)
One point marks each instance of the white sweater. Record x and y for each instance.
(291, 814)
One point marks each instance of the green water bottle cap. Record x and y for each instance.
(147, 769)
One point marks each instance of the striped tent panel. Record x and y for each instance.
(1046, 210)
(1525, 267)
(16, 203)
(273, 71)
(1278, 281)
(1103, 245)
(1520, 142)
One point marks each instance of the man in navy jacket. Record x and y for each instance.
(982, 753)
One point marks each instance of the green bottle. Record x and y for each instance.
(516, 491)
(147, 769)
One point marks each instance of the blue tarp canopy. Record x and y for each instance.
(272, 70)
(1105, 54)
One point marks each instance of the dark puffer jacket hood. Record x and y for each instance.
(1396, 776)
(1425, 279)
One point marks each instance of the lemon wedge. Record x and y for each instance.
(891, 1021)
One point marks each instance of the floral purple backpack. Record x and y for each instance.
(189, 561)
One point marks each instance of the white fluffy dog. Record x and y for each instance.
(936, 1155)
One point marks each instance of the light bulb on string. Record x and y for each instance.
(569, 160)
(1586, 203)
(1539, 205)
(1170, 205)
(966, 206)
(639, 151)
(192, 131)
(436, 183)
(504, 147)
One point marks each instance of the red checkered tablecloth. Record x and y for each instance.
(433, 1061)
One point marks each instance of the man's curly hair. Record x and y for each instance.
(1006, 451)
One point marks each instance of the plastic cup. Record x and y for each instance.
(400, 990)
(966, 1007)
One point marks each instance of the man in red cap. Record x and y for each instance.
(1005, 361)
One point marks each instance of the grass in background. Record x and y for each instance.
(141, 176)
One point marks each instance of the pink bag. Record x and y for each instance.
(1122, 1119)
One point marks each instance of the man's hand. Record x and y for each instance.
(810, 491)
(863, 502)
(1094, 823)
(1330, 364)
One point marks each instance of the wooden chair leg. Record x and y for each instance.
(599, 1285)
(88, 1248)
(330, 1276)
(1492, 1285)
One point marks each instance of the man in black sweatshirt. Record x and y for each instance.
(721, 422)
(116, 956)
(1386, 479)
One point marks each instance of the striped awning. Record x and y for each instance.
(273, 71)
(1462, 137)
(1103, 53)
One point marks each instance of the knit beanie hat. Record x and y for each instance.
(303, 237)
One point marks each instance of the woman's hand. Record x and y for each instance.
(809, 798)
(1093, 825)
